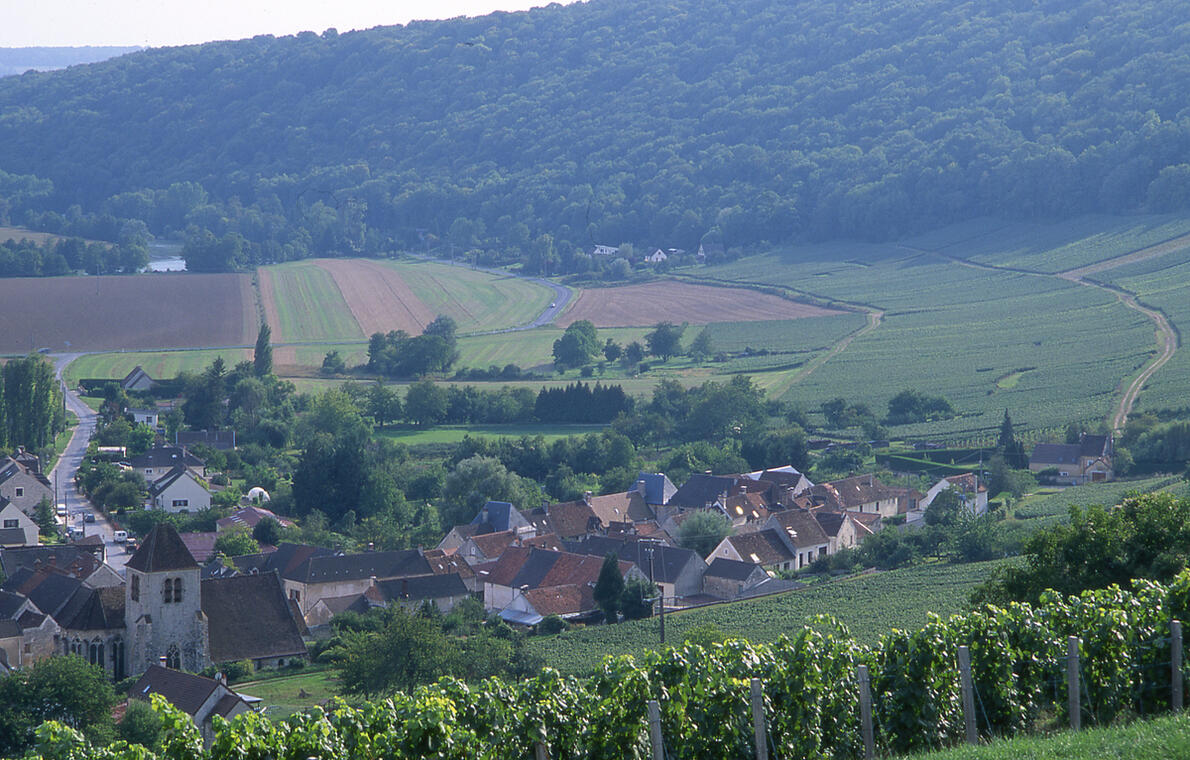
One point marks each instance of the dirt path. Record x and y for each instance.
(1167, 337)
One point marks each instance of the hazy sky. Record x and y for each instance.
(154, 23)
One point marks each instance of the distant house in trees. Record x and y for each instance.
(1088, 461)
(250, 517)
(972, 493)
(137, 380)
(657, 257)
(150, 417)
(728, 578)
(159, 460)
(220, 440)
(605, 250)
(179, 490)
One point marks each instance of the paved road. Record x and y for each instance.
(68, 464)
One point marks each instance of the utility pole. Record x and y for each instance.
(650, 545)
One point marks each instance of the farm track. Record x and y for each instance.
(1166, 335)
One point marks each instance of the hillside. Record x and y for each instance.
(612, 121)
(21, 59)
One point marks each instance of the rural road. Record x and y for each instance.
(68, 464)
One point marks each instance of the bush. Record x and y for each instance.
(552, 624)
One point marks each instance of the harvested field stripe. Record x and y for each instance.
(379, 298)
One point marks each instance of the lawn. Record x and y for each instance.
(159, 364)
(282, 695)
(456, 433)
(868, 605)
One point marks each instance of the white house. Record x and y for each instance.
(179, 490)
(16, 528)
(605, 250)
(972, 494)
(148, 417)
(656, 257)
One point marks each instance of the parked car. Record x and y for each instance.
(89, 517)
(61, 510)
(120, 536)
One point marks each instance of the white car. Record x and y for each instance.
(61, 510)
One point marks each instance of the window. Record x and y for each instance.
(20, 491)
(295, 595)
(11, 524)
(181, 502)
(177, 589)
(134, 588)
(95, 653)
(167, 591)
(173, 658)
(148, 470)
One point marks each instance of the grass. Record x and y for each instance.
(475, 300)
(1157, 739)
(455, 433)
(309, 305)
(282, 694)
(868, 605)
(159, 364)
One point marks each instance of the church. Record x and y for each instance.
(163, 612)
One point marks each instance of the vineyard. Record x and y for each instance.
(1041, 512)
(869, 605)
(811, 694)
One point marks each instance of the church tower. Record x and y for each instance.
(163, 605)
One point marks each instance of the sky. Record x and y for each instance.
(156, 23)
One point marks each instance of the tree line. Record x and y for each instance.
(720, 124)
(31, 411)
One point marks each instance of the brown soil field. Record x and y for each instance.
(667, 300)
(135, 312)
(378, 298)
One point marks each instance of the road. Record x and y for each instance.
(68, 464)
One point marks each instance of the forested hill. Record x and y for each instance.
(621, 120)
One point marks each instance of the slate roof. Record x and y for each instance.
(808, 531)
(668, 562)
(500, 515)
(249, 618)
(10, 602)
(764, 547)
(48, 590)
(220, 440)
(1094, 445)
(1055, 453)
(166, 456)
(161, 550)
(185, 691)
(702, 489)
(64, 558)
(731, 569)
(349, 603)
(10, 629)
(340, 567)
(831, 522)
(31, 619)
(425, 587)
(658, 489)
(287, 560)
(134, 376)
(93, 609)
(12, 537)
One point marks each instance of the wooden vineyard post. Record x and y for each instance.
(865, 712)
(968, 695)
(1175, 664)
(762, 747)
(655, 730)
(1072, 696)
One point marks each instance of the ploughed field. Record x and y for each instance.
(67, 314)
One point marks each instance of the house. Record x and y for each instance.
(710, 250)
(568, 520)
(496, 516)
(1088, 461)
(728, 578)
(843, 530)
(522, 569)
(23, 486)
(676, 571)
(531, 606)
(220, 440)
(200, 545)
(972, 494)
(11, 645)
(655, 488)
(310, 573)
(200, 698)
(137, 380)
(701, 490)
(862, 493)
(249, 517)
(628, 506)
(159, 460)
(486, 547)
(605, 250)
(179, 490)
(39, 632)
(657, 256)
(769, 548)
(804, 533)
(64, 559)
(787, 482)
(248, 618)
(442, 591)
(16, 527)
(149, 417)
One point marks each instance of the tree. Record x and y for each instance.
(609, 588)
(236, 542)
(703, 531)
(262, 357)
(384, 405)
(333, 363)
(634, 352)
(637, 600)
(910, 406)
(267, 531)
(475, 481)
(612, 350)
(945, 509)
(409, 651)
(65, 688)
(1008, 446)
(665, 340)
(425, 404)
(46, 518)
(702, 347)
(140, 725)
(577, 346)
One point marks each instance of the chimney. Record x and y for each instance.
(221, 678)
(641, 487)
(371, 546)
(161, 661)
(587, 497)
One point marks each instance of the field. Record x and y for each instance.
(283, 695)
(452, 434)
(868, 605)
(142, 312)
(16, 234)
(678, 302)
(303, 303)
(159, 364)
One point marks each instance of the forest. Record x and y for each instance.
(531, 136)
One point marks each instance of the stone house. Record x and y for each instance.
(728, 578)
(23, 486)
(200, 698)
(1088, 461)
(16, 527)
